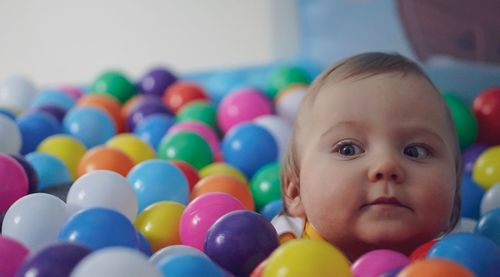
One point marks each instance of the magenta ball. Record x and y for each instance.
(201, 129)
(201, 213)
(12, 255)
(242, 105)
(13, 182)
(377, 262)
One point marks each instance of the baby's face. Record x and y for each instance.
(377, 166)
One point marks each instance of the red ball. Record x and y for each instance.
(421, 251)
(189, 171)
(180, 93)
(486, 108)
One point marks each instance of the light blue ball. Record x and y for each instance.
(158, 180)
(272, 209)
(153, 128)
(89, 125)
(189, 265)
(50, 170)
(54, 97)
(489, 226)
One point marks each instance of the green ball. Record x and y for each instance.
(464, 120)
(114, 83)
(188, 147)
(285, 76)
(201, 111)
(265, 185)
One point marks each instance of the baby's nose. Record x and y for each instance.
(386, 169)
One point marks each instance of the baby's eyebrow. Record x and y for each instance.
(348, 124)
(421, 131)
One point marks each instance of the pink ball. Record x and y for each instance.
(201, 129)
(12, 255)
(242, 105)
(13, 182)
(72, 91)
(377, 262)
(201, 213)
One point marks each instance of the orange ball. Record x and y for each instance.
(106, 103)
(180, 93)
(435, 268)
(227, 184)
(105, 157)
(189, 171)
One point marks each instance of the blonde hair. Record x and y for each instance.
(361, 66)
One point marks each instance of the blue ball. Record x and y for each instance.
(54, 97)
(477, 253)
(98, 228)
(153, 128)
(35, 127)
(50, 170)
(472, 194)
(489, 226)
(158, 180)
(272, 208)
(248, 147)
(143, 244)
(189, 265)
(7, 113)
(222, 83)
(89, 125)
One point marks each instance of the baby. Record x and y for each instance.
(374, 160)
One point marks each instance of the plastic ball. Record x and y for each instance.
(189, 172)
(465, 122)
(376, 262)
(174, 250)
(422, 251)
(265, 185)
(285, 76)
(116, 261)
(13, 181)
(12, 255)
(491, 199)
(472, 194)
(107, 104)
(153, 128)
(181, 93)
(106, 189)
(17, 93)
(98, 228)
(435, 267)
(222, 168)
(201, 213)
(89, 125)
(489, 226)
(486, 171)
(248, 147)
(240, 106)
(159, 223)
(105, 157)
(279, 128)
(72, 91)
(134, 147)
(156, 81)
(189, 265)
(129, 105)
(50, 170)
(201, 129)
(114, 83)
(307, 257)
(30, 172)
(470, 155)
(288, 101)
(34, 128)
(227, 184)
(201, 111)
(54, 97)
(486, 108)
(35, 219)
(57, 260)
(221, 84)
(240, 240)
(11, 138)
(68, 149)
(465, 225)
(8, 113)
(272, 209)
(143, 244)
(158, 180)
(55, 111)
(186, 146)
(143, 109)
(478, 254)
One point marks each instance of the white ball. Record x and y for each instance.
(174, 250)
(115, 261)
(10, 138)
(280, 129)
(465, 225)
(288, 102)
(35, 220)
(105, 189)
(491, 199)
(17, 93)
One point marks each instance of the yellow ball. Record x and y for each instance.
(486, 170)
(222, 168)
(159, 223)
(307, 257)
(66, 148)
(135, 148)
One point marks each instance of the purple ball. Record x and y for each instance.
(148, 106)
(470, 155)
(56, 260)
(240, 240)
(156, 81)
(30, 172)
(53, 110)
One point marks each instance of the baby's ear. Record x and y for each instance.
(293, 200)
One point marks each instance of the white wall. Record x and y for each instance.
(67, 42)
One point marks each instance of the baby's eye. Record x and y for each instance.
(347, 149)
(416, 151)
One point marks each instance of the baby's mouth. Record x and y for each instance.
(386, 201)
